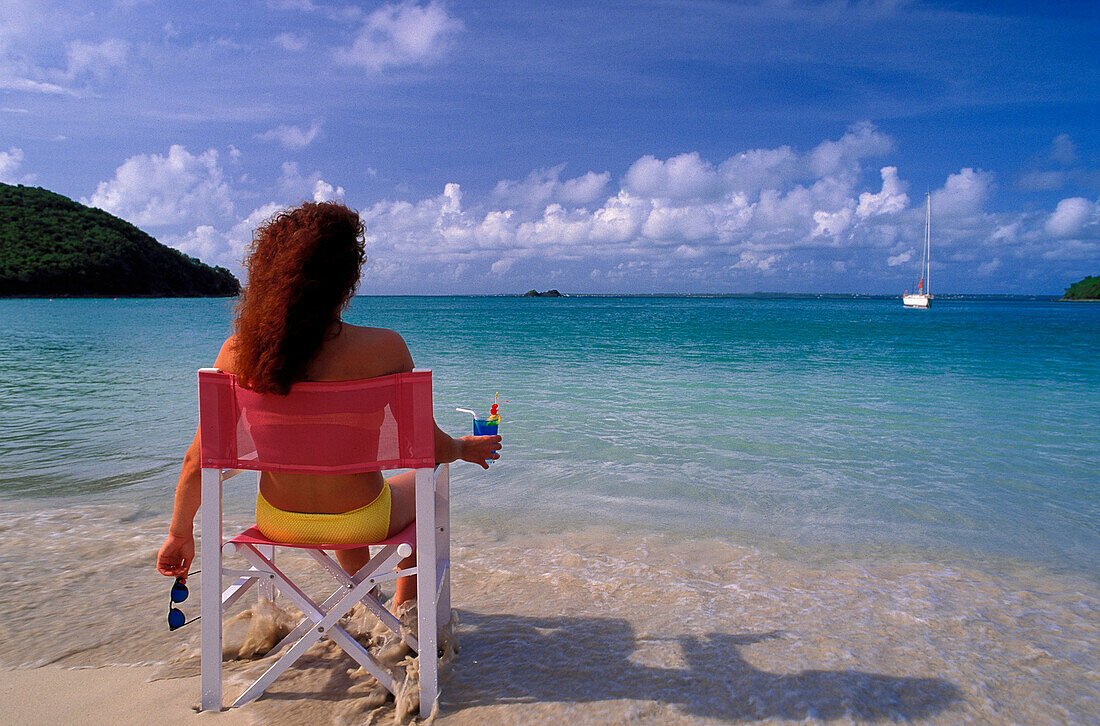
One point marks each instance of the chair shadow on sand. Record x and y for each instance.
(514, 659)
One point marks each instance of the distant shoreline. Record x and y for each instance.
(115, 297)
(751, 296)
(649, 296)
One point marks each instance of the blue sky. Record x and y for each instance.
(588, 146)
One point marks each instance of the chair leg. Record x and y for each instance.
(426, 574)
(443, 542)
(210, 562)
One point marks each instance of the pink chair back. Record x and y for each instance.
(338, 427)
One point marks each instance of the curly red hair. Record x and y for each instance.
(303, 268)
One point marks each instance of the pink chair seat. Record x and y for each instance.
(253, 536)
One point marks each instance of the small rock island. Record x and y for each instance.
(1087, 289)
(548, 293)
(51, 246)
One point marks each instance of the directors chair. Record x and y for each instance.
(323, 428)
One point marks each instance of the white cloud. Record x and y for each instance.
(154, 190)
(687, 223)
(963, 195)
(842, 157)
(1042, 180)
(620, 219)
(96, 59)
(228, 248)
(682, 177)
(289, 42)
(544, 186)
(1070, 218)
(989, 267)
(583, 190)
(685, 220)
(402, 34)
(1063, 150)
(301, 5)
(1007, 233)
(32, 86)
(203, 242)
(292, 138)
(751, 171)
(325, 192)
(744, 215)
(10, 161)
(297, 187)
(832, 224)
(890, 200)
(756, 260)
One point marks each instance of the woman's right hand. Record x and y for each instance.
(176, 555)
(479, 450)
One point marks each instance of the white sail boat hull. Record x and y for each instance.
(916, 301)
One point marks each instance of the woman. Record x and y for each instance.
(303, 268)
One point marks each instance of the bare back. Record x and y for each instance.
(349, 353)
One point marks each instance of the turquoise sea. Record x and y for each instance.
(708, 510)
(965, 431)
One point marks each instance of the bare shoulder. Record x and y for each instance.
(374, 351)
(227, 355)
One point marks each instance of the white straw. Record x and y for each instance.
(466, 410)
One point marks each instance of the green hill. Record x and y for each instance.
(51, 246)
(1087, 289)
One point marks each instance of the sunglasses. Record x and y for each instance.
(176, 618)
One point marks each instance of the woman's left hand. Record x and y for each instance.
(479, 450)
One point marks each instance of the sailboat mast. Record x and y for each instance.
(928, 245)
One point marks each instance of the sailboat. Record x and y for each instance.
(922, 298)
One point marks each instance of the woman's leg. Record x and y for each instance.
(353, 560)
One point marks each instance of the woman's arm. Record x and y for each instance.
(478, 450)
(177, 552)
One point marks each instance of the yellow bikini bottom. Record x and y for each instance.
(367, 524)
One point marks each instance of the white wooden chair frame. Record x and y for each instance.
(433, 583)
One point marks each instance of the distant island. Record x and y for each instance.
(548, 293)
(51, 246)
(1087, 289)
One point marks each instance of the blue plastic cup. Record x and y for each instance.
(482, 427)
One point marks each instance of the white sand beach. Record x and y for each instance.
(593, 626)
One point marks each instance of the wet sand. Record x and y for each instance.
(589, 626)
(107, 696)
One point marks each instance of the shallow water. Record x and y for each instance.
(708, 510)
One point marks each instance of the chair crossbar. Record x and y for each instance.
(235, 592)
(305, 624)
(250, 574)
(320, 623)
(370, 601)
